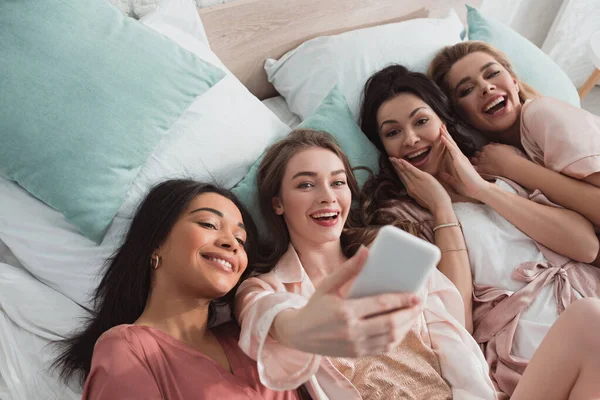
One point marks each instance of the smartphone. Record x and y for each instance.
(397, 262)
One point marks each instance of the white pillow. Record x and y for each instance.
(305, 75)
(567, 42)
(217, 140)
(280, 108)
(181, 14)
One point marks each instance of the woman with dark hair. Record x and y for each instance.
(517, 241)
(152, 335)
(298, 325)
(378, 205)
(561, 141)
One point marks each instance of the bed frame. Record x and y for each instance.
(244, 33)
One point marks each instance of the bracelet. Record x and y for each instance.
(449, 250)
(449, 225)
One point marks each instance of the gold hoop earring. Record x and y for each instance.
(155, 261)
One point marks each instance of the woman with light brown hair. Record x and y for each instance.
(298, 325)
(486, 94)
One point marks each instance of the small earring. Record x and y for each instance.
(155, 261)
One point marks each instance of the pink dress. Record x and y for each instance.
(561, 137)
(139, 362)
(440, 326)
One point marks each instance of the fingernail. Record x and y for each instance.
(415, 300)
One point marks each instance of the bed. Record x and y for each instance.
(48, 269)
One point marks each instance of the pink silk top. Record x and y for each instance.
(139, 362)
(441, 325)
(561, 137)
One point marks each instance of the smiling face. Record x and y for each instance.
(486, 94)
(204, 251)
(314, 198)
(410, 129)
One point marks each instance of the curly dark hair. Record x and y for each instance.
(383, 191)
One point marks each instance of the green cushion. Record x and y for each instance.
(333, 116)
(531, 64)
(86, 95)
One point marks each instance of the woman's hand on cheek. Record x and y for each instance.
(331, 325)
(421, 186)
(463, 177)
(496, 159)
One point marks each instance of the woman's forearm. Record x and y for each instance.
(455, 260)
(572, 194)
(561, 230)
(278, 328)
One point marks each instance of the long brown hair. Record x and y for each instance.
(269, 179)
(382, 195)
(449, 55)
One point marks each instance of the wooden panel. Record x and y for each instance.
(244, 33)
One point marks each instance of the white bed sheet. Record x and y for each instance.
(27, 327)
(280, 108)
(4, 392)
(7, 257)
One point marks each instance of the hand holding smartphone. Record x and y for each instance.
(397, 262)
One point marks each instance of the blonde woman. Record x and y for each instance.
(487, 94)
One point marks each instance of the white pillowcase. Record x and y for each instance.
(181, 14)
(280, 108)
(216, 140)
(567, 42)
(305, 75)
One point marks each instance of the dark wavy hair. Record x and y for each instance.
(123, 291)
(383, 190)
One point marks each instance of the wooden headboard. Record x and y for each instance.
(244, 33)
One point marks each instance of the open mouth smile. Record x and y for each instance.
(219, 262)
(418, 157)
(495, 106)
(326, 218)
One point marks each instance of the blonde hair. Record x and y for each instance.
(449, 55)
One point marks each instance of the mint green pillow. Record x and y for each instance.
(333, 116)
(86, 95)
(531, 64)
